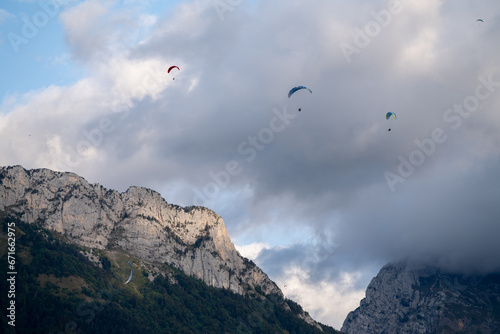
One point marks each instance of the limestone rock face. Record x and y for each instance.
(139, 221)
(408, 297)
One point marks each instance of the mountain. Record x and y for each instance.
(97, 232)
(138, 221)
(410, 297)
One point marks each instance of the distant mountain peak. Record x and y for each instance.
(412, 297)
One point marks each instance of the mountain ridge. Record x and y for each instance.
(139, 219)
(193, 239)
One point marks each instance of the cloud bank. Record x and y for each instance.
(332, 193)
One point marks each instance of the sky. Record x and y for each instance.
(320, 198)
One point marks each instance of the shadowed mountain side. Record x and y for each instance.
(138, 221)
(60, 289)
(410, 297)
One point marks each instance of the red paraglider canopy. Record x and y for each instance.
(172, 67)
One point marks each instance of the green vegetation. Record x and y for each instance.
(58, 290)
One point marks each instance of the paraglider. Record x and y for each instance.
(389, 115)
(131, 273)
(295, 89)
(479, 20)
(171, 68)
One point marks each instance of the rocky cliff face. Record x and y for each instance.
(138, 221)
(413, 298)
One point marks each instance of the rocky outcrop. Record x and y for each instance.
(409, 297)
(138, 221)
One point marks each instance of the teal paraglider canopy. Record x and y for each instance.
(294, 89)
(389, 115)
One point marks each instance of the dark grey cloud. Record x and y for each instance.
(314, 189)
(330, 158)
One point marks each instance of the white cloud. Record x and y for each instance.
(95, 30)
(86, 28)
(65, 127)
(420, 54)
(327, 301)
(251, 251)
(428, 8)
(148, 20)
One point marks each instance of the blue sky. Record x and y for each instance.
(33, 59)
(321, 197)
(34, 64)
